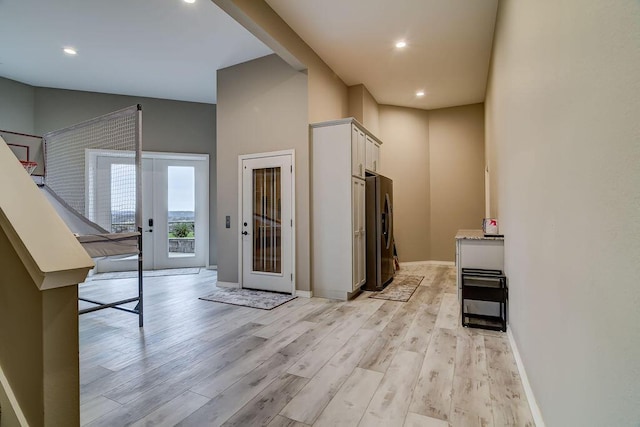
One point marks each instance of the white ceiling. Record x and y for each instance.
(170, 49)
(447, 55)
(155, 48)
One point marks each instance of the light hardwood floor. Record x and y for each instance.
(366, 362)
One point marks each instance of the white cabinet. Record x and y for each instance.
(358, 149)
(338, 235)
(358, 230)
(372, 156)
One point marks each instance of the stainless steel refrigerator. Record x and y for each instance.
(379, 223)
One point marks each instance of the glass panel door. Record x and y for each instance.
(180, 213)
(266, 229)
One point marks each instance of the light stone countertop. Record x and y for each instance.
(475, 235)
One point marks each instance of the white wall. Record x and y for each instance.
(262, 107)
(563, 146)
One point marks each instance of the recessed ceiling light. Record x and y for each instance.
(401, 44)
(189, 1)
(420, 93)
(70, 51)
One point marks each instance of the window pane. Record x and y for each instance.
(123, 198)
(181, 211)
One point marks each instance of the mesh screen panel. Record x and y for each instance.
(103, 191)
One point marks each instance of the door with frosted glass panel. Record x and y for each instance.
(266, 225)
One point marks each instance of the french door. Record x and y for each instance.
(174, 209)
(177, 220)
(266, 225)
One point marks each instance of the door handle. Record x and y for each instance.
(245, 233)
(149, 231)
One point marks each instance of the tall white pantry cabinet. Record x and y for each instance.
(339, 158)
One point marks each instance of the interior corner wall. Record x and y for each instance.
(327, 94)
(262, 107)
(404, 157)
(371, 111)
(364, 108)
(17, 106)
(456, 145)
(563, 107)
(167, 126)
(356, 104)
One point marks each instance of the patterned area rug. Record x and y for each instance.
(400, 289)
(149, 273)
(249, 298)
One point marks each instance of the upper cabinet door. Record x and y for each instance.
(376, 157)
(369, 154)
(357, 152)
(372, 155)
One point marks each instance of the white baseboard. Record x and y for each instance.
(304, 294)
(227, 284)
(212, 267)
(533, 403)
(448, 263)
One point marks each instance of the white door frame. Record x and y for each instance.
(243, 157)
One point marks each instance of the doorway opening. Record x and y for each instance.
(175, 208)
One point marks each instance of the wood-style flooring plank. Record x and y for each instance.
(265, 406)
(471, 357)
(509, 402)
(471, 402)
(417, 420)
(309, 403)
(280, 421)
(379, 320)
(349, 404)
(389, 404)
(217, 356)
(291, 318)
(388, 342)
(214, 383)
(419, 333)
(310, 363)
(224, 405)
(449, 315)
(432, 394)
(95, 408)
(272, 315)
(174, 384)
(173, 411)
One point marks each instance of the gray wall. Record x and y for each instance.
(17, 112)
(262, 107)
(563, 142)
(168, 126)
